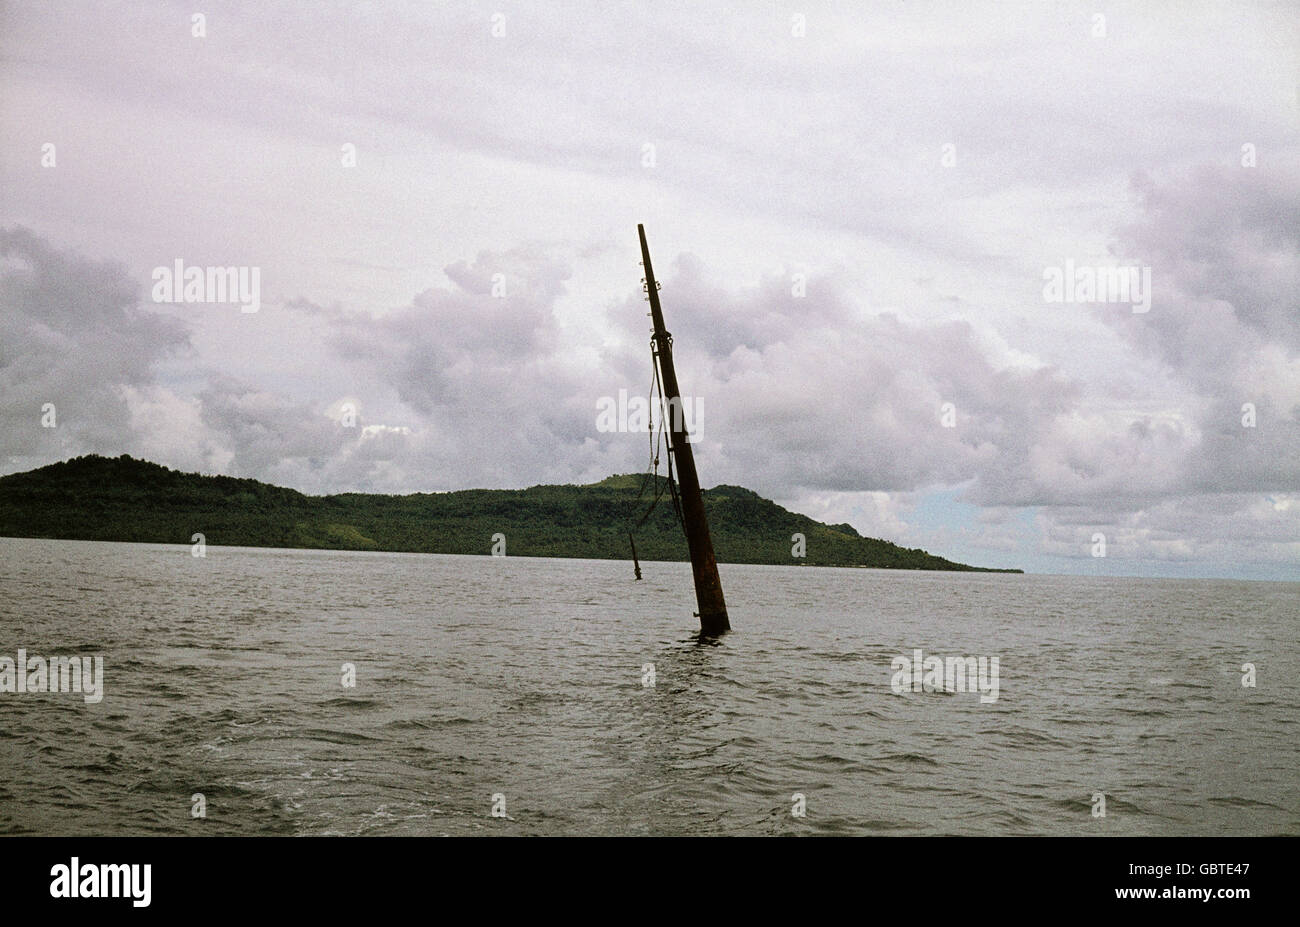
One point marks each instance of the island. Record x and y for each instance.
(97, 498)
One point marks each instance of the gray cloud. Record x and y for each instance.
(1224, 244)
(72, 334)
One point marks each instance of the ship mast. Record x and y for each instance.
(708, 588)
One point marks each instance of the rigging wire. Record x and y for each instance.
(660, 438)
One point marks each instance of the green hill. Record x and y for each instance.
(123, 499)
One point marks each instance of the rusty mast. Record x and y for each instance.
(708, 587)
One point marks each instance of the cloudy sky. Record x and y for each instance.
(853, 210)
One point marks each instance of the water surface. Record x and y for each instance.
(524, 678)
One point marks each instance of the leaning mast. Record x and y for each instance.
(708, 587)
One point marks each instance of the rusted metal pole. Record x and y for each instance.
(708, 588)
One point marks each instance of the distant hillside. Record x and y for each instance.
(123, 499)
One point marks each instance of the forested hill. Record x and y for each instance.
(123, 499)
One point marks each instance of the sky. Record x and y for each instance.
(855, 210)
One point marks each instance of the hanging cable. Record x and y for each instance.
(660, 439)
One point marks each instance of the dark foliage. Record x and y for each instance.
(123, 499)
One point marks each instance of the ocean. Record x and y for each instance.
(514, 695)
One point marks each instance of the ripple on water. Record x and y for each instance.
(225, 682)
